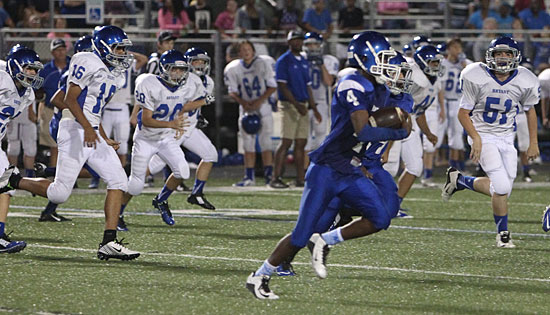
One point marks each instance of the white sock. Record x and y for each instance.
(333, 237)
(265, 269)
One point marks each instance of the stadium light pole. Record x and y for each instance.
(219, 62)
(52, 10)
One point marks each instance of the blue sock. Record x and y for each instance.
(164, 194)
(465, 182)
(526, 169)
(50, 208)
(400, 200)
(50, 171)
(249, 173)
(453, 163)
(265, 269)
(461, 165)
(29, 172)
(197, 188)
(122, 207)
(428, 173)
(501, 222)
(333, 237)
(268, 172)
(2, 227)
(167, 172)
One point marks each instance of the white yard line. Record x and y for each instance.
(347, 266)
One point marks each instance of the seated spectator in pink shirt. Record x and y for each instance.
(226, 19)
(173, 17)
(393, 8)
(61, 23)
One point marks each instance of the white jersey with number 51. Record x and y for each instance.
(495, 104)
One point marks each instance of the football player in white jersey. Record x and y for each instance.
(426, 76)
(544, 78)
(22, 132)
(454, 63)
(194, 138)
(16, 95)
(273, 98)
(492, 93)
(82, 140)
(250, 81)
(323, 71)
(163, 100)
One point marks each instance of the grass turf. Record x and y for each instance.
(442, 261)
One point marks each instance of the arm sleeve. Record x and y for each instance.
(469, 92)
(200, 90)
(231, 81)
(143, 96)
(269, 76)
(544, 85)
(354, 96)
(532, 96)
(281, 71)
(81, 72)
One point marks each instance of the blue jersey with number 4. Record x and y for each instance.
(165, 102)
(341, 149)
(91, 74)
(494, 104)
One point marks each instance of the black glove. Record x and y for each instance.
(316, 60)
(202, 122)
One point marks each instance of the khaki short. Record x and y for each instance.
(44, 123)
(295, 126)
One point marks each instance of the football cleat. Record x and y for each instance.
(183, 187)
(40, 169)
(245, 182)
(52, 217)
(277, 183)
(9, 246)
(428, 182)
(527, 179)
(285, 269)
(164, 210)
(94, 183)
(200, 200)
(504, 240)
(259, 286)
(402, 214)
(319, 252)
(121, 225)
(450, 186)
(546, 219)
(116, 249)
(9, 179)
(149, 181)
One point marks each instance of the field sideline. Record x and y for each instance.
(442, 261)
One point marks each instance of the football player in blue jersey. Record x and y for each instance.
(335, 169)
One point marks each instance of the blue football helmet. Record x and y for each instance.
(503, 64)
(251, 123)
(419, 41)
(372, 52)
(429, 60)
(84, 43)
(195, 53)
(526, 63)
(407, 50)
(106, 40)
(442, 48)
(172, 60)
(313, 38)
(21, 59)
(401, 82)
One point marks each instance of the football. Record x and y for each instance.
(389, 117)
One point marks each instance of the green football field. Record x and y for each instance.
(444, 260)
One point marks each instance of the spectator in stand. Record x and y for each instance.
(459, 10)
(542, 51)
(483, 40)
(521, 5)
(226, 19)
(393, 8)
(350, 19)
(51, 73)
(200, 15)
(505, 18)
(318, 19)
(477, 19)
(74, 7)
(534, 17)
(173, 17)
(288, 18)
(518, 35)
(249, 17)
(5, 19)
(61, 23)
